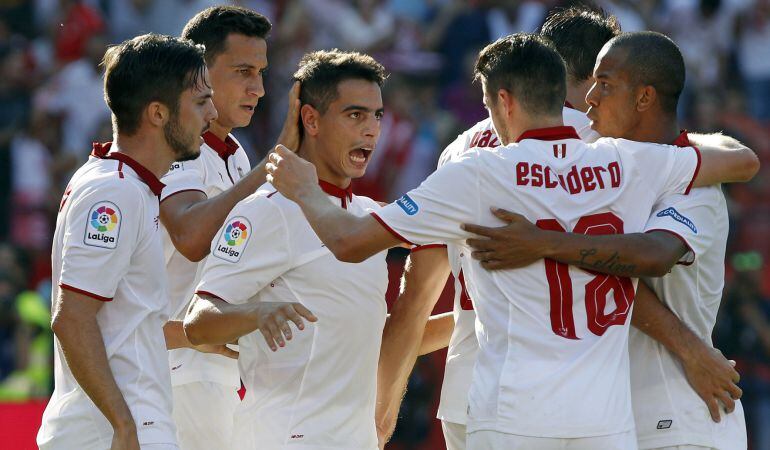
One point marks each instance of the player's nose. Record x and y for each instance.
(591, 98)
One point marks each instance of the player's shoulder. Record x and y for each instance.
(469, 139)
(366, 202)
(187, 167)
(101, 182)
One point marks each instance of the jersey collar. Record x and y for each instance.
(569, 105)
(549, 134)
(682, 140)
(224, 149)
(345, 195)
(102, 151)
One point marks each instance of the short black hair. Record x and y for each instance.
(321, 71)
(579, 33)
(212, 26)
(652, 59)
(528, 66)
(145, 69)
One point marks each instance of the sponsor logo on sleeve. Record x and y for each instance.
(674, 214)
(409, 206)
(664, 424)
(233, 240)
(103, 227)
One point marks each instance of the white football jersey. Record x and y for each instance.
(219, 166)
(463, 346)
(553, 356)
(667, 411)
(318, 391)
(107, 246)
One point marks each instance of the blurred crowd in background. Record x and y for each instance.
(51, 109)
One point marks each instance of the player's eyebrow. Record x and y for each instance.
(362, 108)
(246, 66)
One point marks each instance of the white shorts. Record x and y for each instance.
(454, 435)
(203, 413)
(492, 440)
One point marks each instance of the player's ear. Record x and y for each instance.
(506, 101)
(157, 114)
(309, 117)
(645, 98)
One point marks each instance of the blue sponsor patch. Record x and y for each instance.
(408, 205)
(674, 214)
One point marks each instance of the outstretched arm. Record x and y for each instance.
(520, 243)
(350, 238)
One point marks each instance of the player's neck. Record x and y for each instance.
(219, 130)
(152, 152)
(532, 123)
(659, 130)
(310, 151)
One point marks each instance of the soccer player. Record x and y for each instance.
(109, 296)
(552, 368)
(578, 33)
(671, 367)
(196, 200)
(318, 392)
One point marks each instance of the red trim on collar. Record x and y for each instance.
(102, 151)
(224, 149)
(682, 140)
(568, 105)
(345, 195)
(549, 134)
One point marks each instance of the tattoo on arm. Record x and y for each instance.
(613, 264)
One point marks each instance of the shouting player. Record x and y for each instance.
(545, 346)
(196, 200)
(578, 33)
(639, 77)
(318, 392)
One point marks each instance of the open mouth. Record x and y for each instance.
(249, 108)
(360, 156)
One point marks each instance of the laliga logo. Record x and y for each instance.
(235, 235)
(103, 220)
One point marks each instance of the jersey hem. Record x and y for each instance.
(84, 292)
(684, 241)
(390, 230)
(513, 428)
(180, 191)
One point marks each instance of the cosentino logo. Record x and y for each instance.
(103, 227)
(235, 235)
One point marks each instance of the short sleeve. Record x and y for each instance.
(251, 250)
(434, 211)
(691, 218)
(666, 169)
(101, 232)
(183, 176)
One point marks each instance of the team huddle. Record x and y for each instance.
(170, 250)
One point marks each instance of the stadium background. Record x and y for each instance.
(51, 109)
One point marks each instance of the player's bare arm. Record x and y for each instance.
(348, 237)
(173, 331)
(520, 243)
(211, 320)
(710, 374)
(438, 332)
(424, 278)
(723, 160)
(74, 324)
(192, 219)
